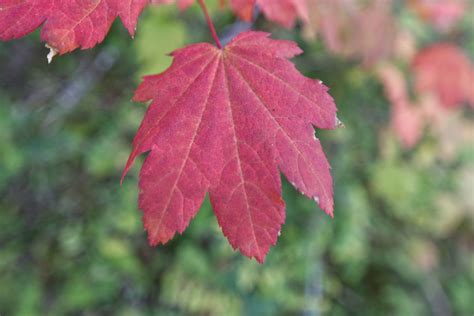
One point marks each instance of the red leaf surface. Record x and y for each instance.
(226, 122)
(446, 72)
(67, 24)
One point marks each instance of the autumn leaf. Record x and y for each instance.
(225, 122)
(67, 24)
(347, 28)
(244, 9)
(284, 12)
(444, 79)
(446, 72)
(443, 14)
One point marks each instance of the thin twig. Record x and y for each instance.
(210, 24)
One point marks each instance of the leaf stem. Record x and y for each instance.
(210, 24)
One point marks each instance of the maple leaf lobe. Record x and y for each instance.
(67, 25)
(225, 122)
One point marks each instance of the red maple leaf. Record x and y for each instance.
(226, 121)
(446, 72)
(67, 24)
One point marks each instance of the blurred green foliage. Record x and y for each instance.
(72, 242)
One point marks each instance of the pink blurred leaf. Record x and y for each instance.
(446, 72)
(443, 14)
(354, 28)
(283, 12)
(407, 119)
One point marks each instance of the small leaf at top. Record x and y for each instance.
(67, 24)
(283, 12)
